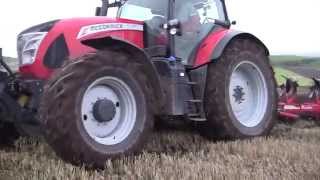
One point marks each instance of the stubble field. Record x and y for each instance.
(291, 152)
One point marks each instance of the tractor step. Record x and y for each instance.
(198, 119)
(194, 115)
(195, 101)
(192, 83)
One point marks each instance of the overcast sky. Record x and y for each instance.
(286, 26)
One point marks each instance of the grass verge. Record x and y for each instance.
(279, 72)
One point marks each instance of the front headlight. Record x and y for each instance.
(28, 45)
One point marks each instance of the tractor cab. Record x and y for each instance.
(178, 27)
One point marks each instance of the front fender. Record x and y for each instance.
(137, 54)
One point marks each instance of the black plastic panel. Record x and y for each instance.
(56, 54)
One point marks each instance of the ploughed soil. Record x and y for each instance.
(305, 71)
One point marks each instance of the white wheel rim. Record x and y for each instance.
(119, 128)
(248, 94)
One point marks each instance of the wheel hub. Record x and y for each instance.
(239, 94)
(104, 110)
(108, 110)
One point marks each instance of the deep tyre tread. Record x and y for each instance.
(222, 124)
(60, 109)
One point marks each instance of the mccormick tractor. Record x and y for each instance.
(96, 85)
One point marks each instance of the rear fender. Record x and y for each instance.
(230, 36)
(137, 54)
(215, 44)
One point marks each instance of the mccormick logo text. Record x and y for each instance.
(97, 28)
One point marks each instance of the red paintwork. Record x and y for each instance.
(297, 110)
(291, 107)
(70, 28)
(208, 46)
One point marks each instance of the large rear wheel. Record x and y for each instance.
(96, 108)
(241, 97)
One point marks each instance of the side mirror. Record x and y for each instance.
(98, 11)
(233, 22)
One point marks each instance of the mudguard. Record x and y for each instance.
(138, 54)
(216, 54)
(214, 45)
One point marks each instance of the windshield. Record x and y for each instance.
(210, 10)
(206, 10)
(143, 10)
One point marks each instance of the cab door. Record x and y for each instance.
(197, 21)
(153, 14)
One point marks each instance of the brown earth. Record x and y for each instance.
(305, 71)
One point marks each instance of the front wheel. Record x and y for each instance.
(241, 97)
(96, 108)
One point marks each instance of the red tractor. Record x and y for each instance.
(95, 85)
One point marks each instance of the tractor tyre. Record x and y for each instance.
(241, 96)
(97, 107)
(8, 134)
